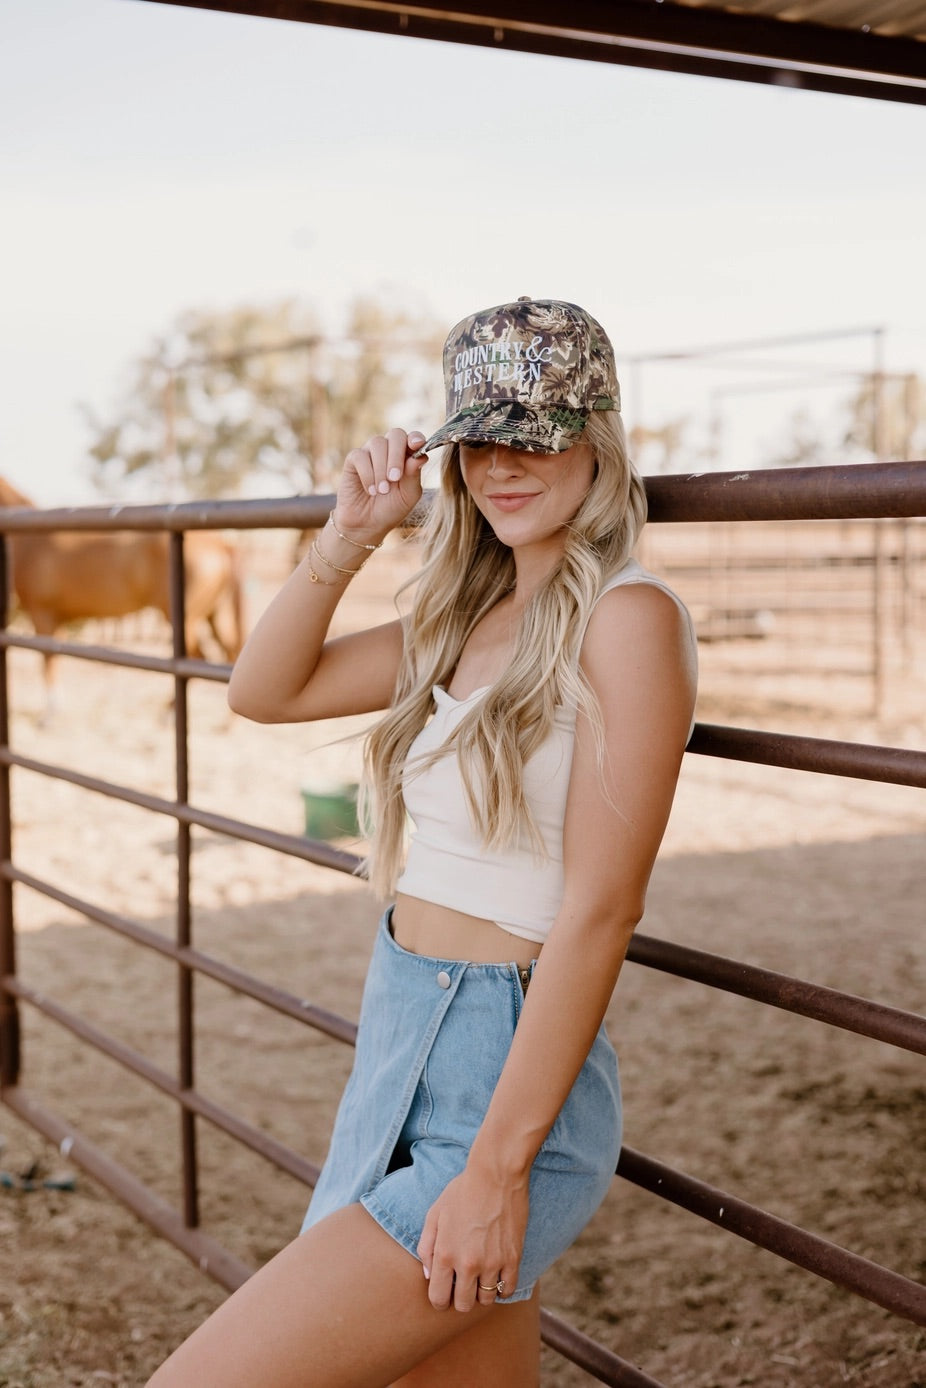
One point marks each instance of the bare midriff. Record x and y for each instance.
(421, 927)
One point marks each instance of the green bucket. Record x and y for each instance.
(330, 812)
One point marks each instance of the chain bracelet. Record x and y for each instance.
(336, 568)
(317, 578)
(347, 539)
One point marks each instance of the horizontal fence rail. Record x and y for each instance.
(880, 490)
(888, 1289)
(897, 766)
(864, 491)
(184, 666)
(873, 1019)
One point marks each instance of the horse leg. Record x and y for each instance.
(194, 646)
(226, 634)
(235, 604)
(45, 624)
(50, 681)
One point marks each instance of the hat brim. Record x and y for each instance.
(514, 424)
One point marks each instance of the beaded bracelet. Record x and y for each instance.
(314, 547)
(347, 539)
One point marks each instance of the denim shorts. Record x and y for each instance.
(432, 1040)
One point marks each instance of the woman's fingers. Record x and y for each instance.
(438, 1271)
(381, 480)
(388, 458)
(416, 459)
(471, 1245)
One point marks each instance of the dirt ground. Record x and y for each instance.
(816, 876)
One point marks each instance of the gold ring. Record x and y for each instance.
(498, 1287)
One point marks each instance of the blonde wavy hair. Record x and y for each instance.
(465, 572)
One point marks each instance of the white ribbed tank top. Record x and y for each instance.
(447, 861)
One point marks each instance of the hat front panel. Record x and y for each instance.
(515, 352)
(548, 360)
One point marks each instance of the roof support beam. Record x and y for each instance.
(639, 33)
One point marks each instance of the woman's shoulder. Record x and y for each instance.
(632, 571)
(633, 574)
(640, 637)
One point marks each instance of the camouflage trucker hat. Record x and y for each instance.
(526, 374)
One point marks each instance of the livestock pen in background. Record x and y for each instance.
(838, 508)
(822, 599)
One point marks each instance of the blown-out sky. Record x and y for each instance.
(156, 158)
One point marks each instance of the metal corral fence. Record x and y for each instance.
(802, 601)
(885, 490)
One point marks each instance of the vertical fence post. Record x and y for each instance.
(9, 1007)
(185, 999)
(878, 566)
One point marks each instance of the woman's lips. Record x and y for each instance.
(511, 501)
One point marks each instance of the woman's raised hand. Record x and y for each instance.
(380, 484)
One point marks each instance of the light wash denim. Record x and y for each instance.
(432, 1040)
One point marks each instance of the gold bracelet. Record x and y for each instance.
(336, 568)
(347, 539)
(317, 578)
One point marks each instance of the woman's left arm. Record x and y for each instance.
(638, 660)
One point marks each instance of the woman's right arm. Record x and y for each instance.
(288, 671)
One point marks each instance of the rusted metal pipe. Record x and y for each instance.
(297, 846)
(900, 1295)
(589, 1355)
(862, 492)
(898, 766)
(9, 1012)
(846, 1010)
(868, 491)
(217, 671)
(277, 998)
(296, 513)
(190, 1101)
(210, 1257)
(186, 1036)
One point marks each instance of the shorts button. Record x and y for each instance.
(443, 979)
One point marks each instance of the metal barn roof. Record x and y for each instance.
(872, 48)
(891, 17)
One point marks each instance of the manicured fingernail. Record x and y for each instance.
(395, 474)
(384, 486)
(372, 491)
(427, 1271)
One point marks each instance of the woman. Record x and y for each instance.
(539, 699)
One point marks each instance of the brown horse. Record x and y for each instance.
(69, 576)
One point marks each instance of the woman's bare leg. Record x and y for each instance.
(343, 1306)
(503, 1351)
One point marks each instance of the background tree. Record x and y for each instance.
(887, 418)
(884, 419)
(804, 446)
(666, 441)
(236, 397)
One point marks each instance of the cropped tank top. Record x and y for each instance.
(447, 861)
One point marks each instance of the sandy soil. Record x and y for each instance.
(818, 877)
